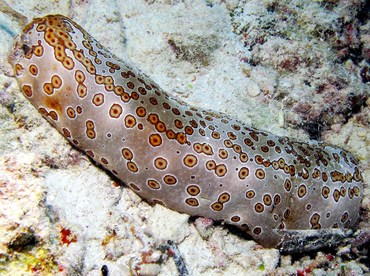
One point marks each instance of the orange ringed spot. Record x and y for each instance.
(27, 90)
(192, 202)
(56, 81)
(260, 174)
(153, 184)
(160, 163)
(155, 140)
(115, 111)
(127, 154)
(190, 160)
(130, 121)
(98, 99)
(193, 190)
(170, 179)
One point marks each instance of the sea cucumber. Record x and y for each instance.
(194, 161)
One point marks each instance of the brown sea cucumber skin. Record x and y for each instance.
(194, 161)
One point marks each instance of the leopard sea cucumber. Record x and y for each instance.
(194, 161)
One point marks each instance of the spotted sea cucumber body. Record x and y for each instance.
(190, 160)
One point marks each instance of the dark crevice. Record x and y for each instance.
(364, 13)
(24, 241)
(316, 127)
